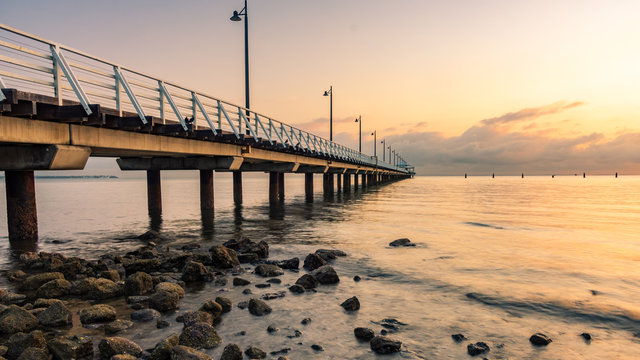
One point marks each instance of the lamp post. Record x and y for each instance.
(236, 17)
(359, 121)
(383, 147)
(389, 147)
(374, 144)
(329, 93)
(394, 158)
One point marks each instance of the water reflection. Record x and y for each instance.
(208, 224)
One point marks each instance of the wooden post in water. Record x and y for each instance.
(273, 186)
(154, 193)
(308, 186)
(237, 187)
(206, 191)
(22, 215)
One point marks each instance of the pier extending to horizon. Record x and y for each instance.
(59, 106)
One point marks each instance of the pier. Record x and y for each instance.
(60, 106)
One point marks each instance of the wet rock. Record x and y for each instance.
(273, 295)
(224, 303)
(138, 300)
(272, 328)
(55, 315)
(298, 289)
(263, 286)
(43, 303)
(54, 289)
(317, 347)
(213, 308)
(164, 301)
(14, 319)
(200, 335)
(539, 339)
(385, 345)
(111, 346)
(117, 326)
(326, 275)
(195, 271)
(34, 354)
(144, 265)
(139, 283)
(364, 334)
(351, 304)
(193, 317)
(231, 352)
(82, 286)
(313, 261)
(247, 291)
(477, 348)
(145, 315)
(16, 275)
(458, 338)
(220, 282)
(11, 298)
(255, 353)
(71, 347)
(223, 257)
(123, 357)
(258, 307)
(274, 281)
(289, 264)
(150, 235)
(330, 254)
(248, 258)
(97, 314)
(240, 281)
(33, 282)
(3, 350)
(243, 305)
(246, 246)
(171, 287)
(161, 324)
(305, 321)
(19, 342)
(586, 336)
(307, 281)
(268, 270)
(295, 334)
(281, 351)
(112, 275)
(162, 351)
(357, 278)
(180, 352)
(101, 289)
(401, 242)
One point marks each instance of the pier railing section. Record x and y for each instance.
(30, 63)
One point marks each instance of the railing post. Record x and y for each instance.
(57, 86)
(161, 94)
(193, 109)
(118, 91)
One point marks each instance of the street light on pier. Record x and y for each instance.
(383, 147)
(329, 93)
(359, 121)
(237, 17)
(374, 144)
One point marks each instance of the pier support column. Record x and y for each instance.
(22, 217)
(346, 183)
(206, 191)
(327, 180)
(364, 180)
(237, 187)
(355, 182)
(281, 186)
(154, 192)
(273, 186)
(339, 182)
(308, 186)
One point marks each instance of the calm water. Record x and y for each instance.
(497, 259)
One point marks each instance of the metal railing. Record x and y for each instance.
(30, 63)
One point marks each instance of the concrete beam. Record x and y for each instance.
(312, 169)
(171, 163)
(336, 170)
(43, 157)
(269, 167)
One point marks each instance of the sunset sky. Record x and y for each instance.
(456, 86)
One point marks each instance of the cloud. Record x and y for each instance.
(530, 113)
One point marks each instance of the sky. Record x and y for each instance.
(455, 86)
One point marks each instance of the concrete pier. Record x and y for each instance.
(206, 191)
(355, 182)
(364, 181)
(339, 182)
(346, 183)
(281, 185)
(328, 186)
(154, 192)
(22, 216)
(273, 186)
(308, 186)
(237, 187)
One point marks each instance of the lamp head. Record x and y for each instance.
(326, 93)
(235, 17)
(356, 120)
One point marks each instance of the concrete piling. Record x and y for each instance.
(355, 182)
(206, 191)
(273, 186)
(346, 183)
(22, 216)
(281, 185)
(339, 182)
(237, 187)
(154, 192)
(308, 186)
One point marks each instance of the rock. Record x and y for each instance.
(224, 303)
(258, 307)
(255, 353)
(401, 242)
(231, 352)
(274, 281)
(71, 347)
(268, 270)
(263, 286)
(14, 319)
(164, 300)
(171, 287)
(220, 282)
(313, 261)
(298, 289)
(305, 321)
(161, 324)
(307, 281)
(458, 338)
(162, 351)
(192, 317)
(82, 286)
(213, 308)
(3, 350)
(19, 342)
(44, 303)
(111, 346)
(273, 295)
(54, 289)
(385, 345)
(139, 283)
(34, 354)
(101, 289)
(351, 304)
(330, 254)
(117, 326)
(112, 275)
(195, 271)
(123, 357)
(289, 264)
(357, 278)
(55, 315)
(16, 276)
(223, 257)
(247, 291)
(200, 335)
(246, 246)
(586, 336)
(145, 315)
(180, 352)
(33, 282)
(146, 265)
(10, 298)
(539, 339)
(97, 314)
(243, 305)
(150, 235)
(477, 348)
(364, 334)
(240, 281)
(326, 275)
(317, 347)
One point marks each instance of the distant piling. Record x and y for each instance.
(584, 175)
(465, 175)
(616, 174)
(493, 176)
(523, 175)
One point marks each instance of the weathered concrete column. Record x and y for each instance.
(154, 192)
(206, 191)
(308, 186)
(273, 186)
(339, 182)
(281, 186)
(331, 184)
(364, 180)
(237, 187)
(355, 182)
(22, 217)
(346, 183)
(327, 181)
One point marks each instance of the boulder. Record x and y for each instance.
(268, 270)
(97, 314)
(171, 287)
(330, 254)
(540, 339)
(44, 303)
(112, 275)
(32, 353)
(307, 281)
(101, 289)
(82, 286)
(193, 317)
(199, 336)
(111, 346)
(163, 300)
(289, 264)
(162, 351)
(225, 304)
(231, 352)
(223, 257)
(19, 342)
(351, 304)
(11, 298)
(255, 353)
(458, 338)
(139, 283)
(313, 261)
(240, 281)
(477, 348)
(145, 315)
(117, 326)
(295, 288)
(54, 289)
(195, 271)
(214, 308)
(123, 357)
(55, 315)
(401, 242)
(364, 334)
(326, 275)
(14, 319)
(33, 282)
(385, 345)
(246, 246)
(258, 307)
(180, 352)
(16, 275)
(71, 347)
